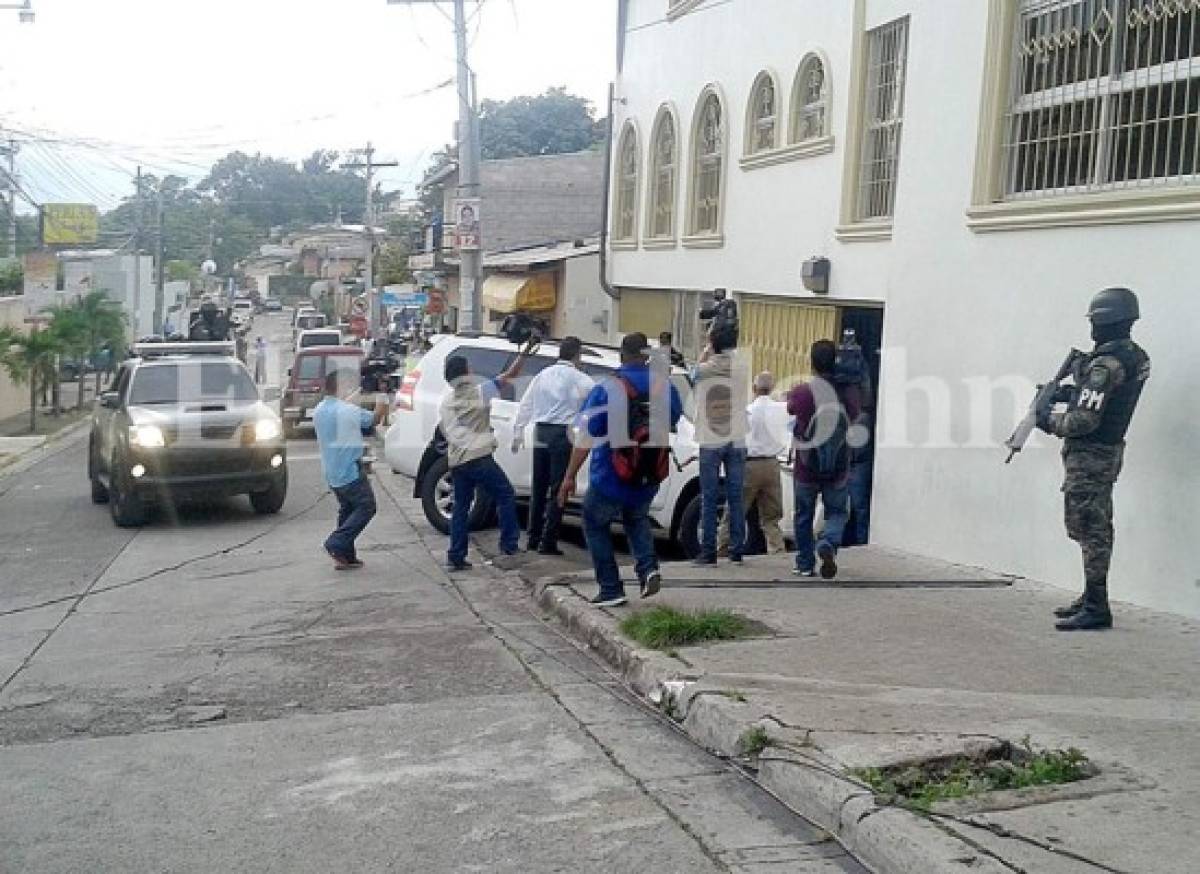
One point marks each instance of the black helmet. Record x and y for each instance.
(1114, 305)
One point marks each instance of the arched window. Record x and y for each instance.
(625, 213)
(708, 166)
(810, 100)
(762, 120)
(664, 172)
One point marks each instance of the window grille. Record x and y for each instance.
(763, 116)
(811, 110)
(707, 167)
(665, 159)
(1105, 95)
(627, 185)
(887, 55)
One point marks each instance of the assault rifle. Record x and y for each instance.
(1046, 397)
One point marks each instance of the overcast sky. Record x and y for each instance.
(174, 84)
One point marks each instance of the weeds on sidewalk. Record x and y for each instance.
(754, 741)
(919, 786)
(665, 627)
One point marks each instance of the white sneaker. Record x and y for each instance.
(618, 601)
(652, 584)
(799, 573)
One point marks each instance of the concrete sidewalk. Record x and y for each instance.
(902, 659)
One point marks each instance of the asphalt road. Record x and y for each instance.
(206, 694)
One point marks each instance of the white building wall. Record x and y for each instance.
(117, 275)
(583, 309)
(961, 307)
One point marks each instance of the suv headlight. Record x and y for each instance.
(266, 429)
(147, 436)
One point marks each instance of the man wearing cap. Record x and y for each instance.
(610, 497)
(1100, 405)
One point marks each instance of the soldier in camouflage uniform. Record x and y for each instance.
(1100, 405)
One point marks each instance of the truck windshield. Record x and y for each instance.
(189, 382)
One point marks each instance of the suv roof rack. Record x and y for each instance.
(223, 348)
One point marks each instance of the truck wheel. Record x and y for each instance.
(128, 510)
(269, 502)
(99, 492)
(437, 500)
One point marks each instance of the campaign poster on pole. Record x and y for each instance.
(467, 216)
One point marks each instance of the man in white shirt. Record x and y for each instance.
(764, 444)
(552, 401)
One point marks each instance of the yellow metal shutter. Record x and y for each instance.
(650, 312)
(780, 335)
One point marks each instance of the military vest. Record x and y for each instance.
(1118, 412)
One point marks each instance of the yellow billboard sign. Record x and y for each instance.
(70, 224)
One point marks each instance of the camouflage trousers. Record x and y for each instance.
(1091, 472)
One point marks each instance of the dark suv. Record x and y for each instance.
(181, 420)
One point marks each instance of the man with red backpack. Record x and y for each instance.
(625, 426)
(824, 412)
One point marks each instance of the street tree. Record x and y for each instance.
(553, 123)
(104, 333)
(26, 356)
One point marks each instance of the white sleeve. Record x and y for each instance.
(525, 411)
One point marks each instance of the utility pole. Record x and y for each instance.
(10, 151)
(470, 269)
(137, 254)
(160, 244)
(370, 165)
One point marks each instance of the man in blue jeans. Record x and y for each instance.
(340, 427)
(466, 422)
(823, 411)
(610, 497)
(721, 433)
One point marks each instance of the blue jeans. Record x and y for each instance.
(599, 512)
(712, 459)
(835, 499)
(483, 474)
(859, 486)
(356, 507)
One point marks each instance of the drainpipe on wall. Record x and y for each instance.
(604, 283)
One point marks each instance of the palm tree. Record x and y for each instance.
(69, 328)
(103, 324)
(26, 355)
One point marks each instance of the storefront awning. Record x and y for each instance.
(523, 292)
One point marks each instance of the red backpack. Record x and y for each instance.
(638, 465)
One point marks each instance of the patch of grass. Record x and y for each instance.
(754, 741)
(920, 786)
(665, 627)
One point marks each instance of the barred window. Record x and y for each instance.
(627, 185)
(708, 159)
(887, 56)
(1105, 95)
(664, 161)
(810, 101)
(763, 116)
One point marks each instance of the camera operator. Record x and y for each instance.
(720, 432)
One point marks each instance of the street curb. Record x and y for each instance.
(886, 839)
(22, 461)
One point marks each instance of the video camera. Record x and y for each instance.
(722, 313)
(522, 329)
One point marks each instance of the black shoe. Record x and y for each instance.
(549, 550)
(533, 545)
(609, 601)
(652, 585)
(736, 559)
(1070, 610)
(702, 560)
(453, 566)
(828, 556)
(1087, 619)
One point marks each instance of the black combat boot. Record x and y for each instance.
(1070, 610)
(1094, 615)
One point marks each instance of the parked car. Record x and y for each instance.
(184, 419)
(306, 381)
(413, 446)
(303, 309)
(272, 305)
(243, 310)
(318, 337)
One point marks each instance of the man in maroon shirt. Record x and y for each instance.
(824, 412)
